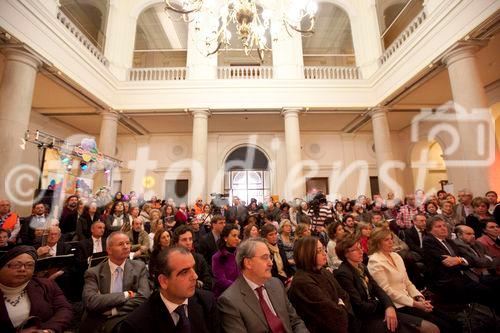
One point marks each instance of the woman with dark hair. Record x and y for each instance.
(250, 230)
(89, 216)
(118, 196)
(338, 210)
(388, 270)
(371, 305)
(335, 232)
(224, 267)
(477, 219)
(117, 218)
(318, 298)
(281, 267)
(161, 240)
(29, 304)
(431, 209)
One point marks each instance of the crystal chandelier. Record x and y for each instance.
(251, 20)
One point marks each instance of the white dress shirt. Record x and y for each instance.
(171, 308)
(254, 286)
(53, 250)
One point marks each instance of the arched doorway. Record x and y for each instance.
(247, 174)
(428, 166)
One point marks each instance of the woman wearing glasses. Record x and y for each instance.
(29, 304)
(318, 298)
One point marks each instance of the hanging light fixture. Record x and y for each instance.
(251, 21)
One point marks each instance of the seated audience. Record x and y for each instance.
(315, 293)
(113, 288)
(183, 236)
(4, 241)
(257, 302)
(139, 240)
(161, 240)
(449, 274)
(414, 236)
(177, 306)
(363, 232)
(303, 230)
(95, 244)
(250, 231)
(286, 240)
(335, 232)
(89, 216)
(155, 221)
(224, 268)
(9, 221)
(117, 219)
(208, 243)
(450, 216)
(371, 305)
(388, 270)
(477, 219)
(349, 224)
(32, 226)
(281, 268)
(30, 304)
(54, 245)
(491, 238)
(198, 232)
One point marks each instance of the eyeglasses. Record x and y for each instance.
(19, 265)
(265, 257)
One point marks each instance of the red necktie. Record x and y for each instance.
(273, 321)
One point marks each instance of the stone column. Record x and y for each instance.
(468, 95)
(199, 154)
(107, 143)
(295, 182)
(16, 95)
(383, 146)
(109, 128)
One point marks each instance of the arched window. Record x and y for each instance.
(394, 16)
(90, 16)
(160, 39)
(247, 174)
(331, 44)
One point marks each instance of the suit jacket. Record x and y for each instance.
(413, 241)
(97, 298)
(474, 253)
(86, 248)
(153, 316)
(393, 280)
(241, 312)
(364, 305)
(62, 248)
(208, 247)
(239, 213)
(202, 270)
(440, 276)
(48, 304)
(316, 296)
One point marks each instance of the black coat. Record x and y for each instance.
(286, 267)
(411, 238)
(208, 247)
(86, 248)
(153, 316)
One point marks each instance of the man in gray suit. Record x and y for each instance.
(256, 302)
(114, 288)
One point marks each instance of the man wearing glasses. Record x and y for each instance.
(257, 302)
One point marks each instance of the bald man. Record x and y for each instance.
(473, 251)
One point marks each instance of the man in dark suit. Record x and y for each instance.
(178, 306)
(208, 243)
(95, 244)
(449, 273)
(238, 213)
(414, 236)
(114, 288)
(54, 245)
(32, 226)
(256, 302)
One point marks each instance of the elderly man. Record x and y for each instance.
(54, 246)
(139, 239)
(464, 208)
(9, 221)
(114, 288)
(256, 302)
(178, 306)
(448, 272)
(474, 251)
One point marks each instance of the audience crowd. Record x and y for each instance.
(124, 264)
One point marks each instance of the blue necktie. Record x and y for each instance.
(118, 283)
(183, 325)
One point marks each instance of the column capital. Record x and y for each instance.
(200, 112)
(110, 114)
(20, 54)
(378, 111)
(461, 50)
(291, 111)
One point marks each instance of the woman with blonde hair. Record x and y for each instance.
(388, 270)
(286, 240)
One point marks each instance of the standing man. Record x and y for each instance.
(9, 221)
(178, 306)
(238, 213)
(208, 243)
(407, 213)
(256, 302)
(114, 288)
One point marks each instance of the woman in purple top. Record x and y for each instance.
(224, 265)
